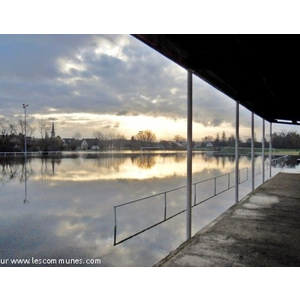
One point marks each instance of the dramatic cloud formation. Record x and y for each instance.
(111, 83)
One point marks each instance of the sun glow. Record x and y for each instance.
(111, 49)
(140, 167)
(68, 66)
(67, 124)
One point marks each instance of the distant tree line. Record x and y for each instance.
(286, 140)
(282, 140)
(12, 138)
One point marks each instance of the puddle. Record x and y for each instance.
(262, 199)
(248, 214)
(251, 205)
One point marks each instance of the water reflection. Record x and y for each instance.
(202, 191)
(70, 213)
(26, 201)
(144, 161)
(111, 167)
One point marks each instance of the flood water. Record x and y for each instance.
(70, 212)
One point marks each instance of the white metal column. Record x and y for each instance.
(270, 150)
(237, 138)
(263, 150)
(189, 154)
(252, 152)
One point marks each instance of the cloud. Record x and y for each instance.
(110, 74)
(123, 112)
(113, 75)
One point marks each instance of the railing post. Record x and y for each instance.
(189, 154)
(215, 188)
(228, 181)
(165, 213)
(195, 194)
(115, 229)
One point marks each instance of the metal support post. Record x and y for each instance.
(252, 152)
(189, 154)
(237, 138)
(263, 151)
(270, 150)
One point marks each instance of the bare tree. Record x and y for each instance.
(6, 128)
(98, 135)
(208, 138)
(21, 130)
(145, 136)
(7, 131)
(77, 136)
(179, 138)
(44, 128)
(29, 129)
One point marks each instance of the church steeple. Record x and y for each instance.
(53, 132)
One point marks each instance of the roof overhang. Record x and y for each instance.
(258, 71)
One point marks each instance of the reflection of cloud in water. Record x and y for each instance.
(74, 218)
(138, 167)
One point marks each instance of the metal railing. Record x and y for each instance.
(31, 154)
(280, 159)
(218, 185)
(258, 168)
(226, 184)
(216, 190)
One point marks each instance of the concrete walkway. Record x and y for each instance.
(263, 229)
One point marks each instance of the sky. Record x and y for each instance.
(112, 83)
(118, 83)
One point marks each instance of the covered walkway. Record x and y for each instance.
(243, 68)
(263, 229)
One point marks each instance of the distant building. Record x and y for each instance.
(52, 131)
(198, 145)
(181, 144)
(90, 144)
(68, 141)
(84, 145)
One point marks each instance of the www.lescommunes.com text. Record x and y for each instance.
(50, 261)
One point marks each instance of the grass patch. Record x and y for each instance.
(257, 151)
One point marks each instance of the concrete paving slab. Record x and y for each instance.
(263, 229)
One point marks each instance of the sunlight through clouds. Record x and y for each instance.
(112, 49)
(115, 83)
